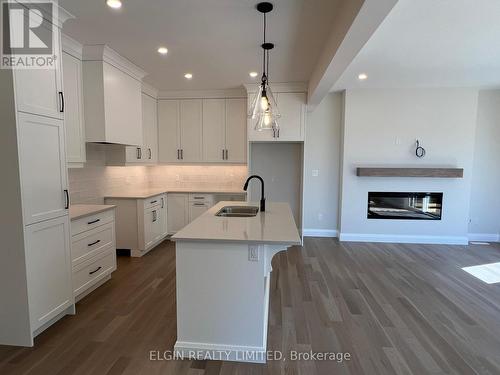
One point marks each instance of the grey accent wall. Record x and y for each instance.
(485, 192)
(322, 154)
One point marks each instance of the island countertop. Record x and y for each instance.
(274, 226)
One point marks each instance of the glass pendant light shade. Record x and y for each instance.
(264, 109)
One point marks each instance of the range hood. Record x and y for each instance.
(112, 97)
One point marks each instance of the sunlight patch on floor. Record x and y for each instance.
(489, 273)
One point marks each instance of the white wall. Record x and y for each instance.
(322, 153)
(485, 196)
(380, 128)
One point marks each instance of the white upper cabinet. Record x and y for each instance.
(168, 131)
(236, 130)
(214, 129)
(224, 130)
(180, 130)
(112, 97)
(42, 164)
(292, 107)
(73, 102)
(40, 91)
(293, 110)
(191, 130)
(150, 128)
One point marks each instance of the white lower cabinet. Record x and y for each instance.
(48, 264)
(141, 223)
(178, 212)
(93, 251)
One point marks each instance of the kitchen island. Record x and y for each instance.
(223, 267)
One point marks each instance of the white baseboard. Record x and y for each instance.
(398, 238)
(484, 237)
(203, 351)
(321, 233)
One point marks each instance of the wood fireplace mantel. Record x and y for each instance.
(410, 172)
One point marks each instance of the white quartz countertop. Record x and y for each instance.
(274, 226)
(77, 211)
(148, 193)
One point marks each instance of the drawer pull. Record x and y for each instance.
(199, 197)
(153, 201)
(94, 243)
(94, 271)
(199, 204)
(93, 221)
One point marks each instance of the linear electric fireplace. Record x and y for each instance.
(406, 206)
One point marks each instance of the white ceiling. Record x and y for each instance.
(431, 43)
(216, 40)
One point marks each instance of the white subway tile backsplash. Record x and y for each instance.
(88, 185)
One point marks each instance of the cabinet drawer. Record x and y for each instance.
(92, 221)
(89, 272)
(158, 200)
(87, 244)
(195, 197)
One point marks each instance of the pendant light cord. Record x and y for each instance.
(264, 76)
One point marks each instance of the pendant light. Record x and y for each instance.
(263, 107)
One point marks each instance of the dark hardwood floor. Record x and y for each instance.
(397, 309)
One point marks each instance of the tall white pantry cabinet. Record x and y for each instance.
(35, 270)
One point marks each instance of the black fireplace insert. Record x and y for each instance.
(405, 206)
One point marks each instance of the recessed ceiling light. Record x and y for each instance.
(115, 4)
(362, 76)
(253, 74)
(162, 50)
(188, 75)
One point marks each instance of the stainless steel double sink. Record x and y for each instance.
(238, 211)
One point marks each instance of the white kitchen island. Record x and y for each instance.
(223, 267)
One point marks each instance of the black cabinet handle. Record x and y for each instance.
(182, 154)
(66, 193)
(154, 216)
(94, 271)
(198, 204)
(61, 96)
(223, 154)
(178, 154)
(150, 154)
(227, 154)
(152, 202)
(94, 243)
(93, 221)
(162, 202)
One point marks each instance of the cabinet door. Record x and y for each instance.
(236, 131)
(43, 170)
(291, 123)
(150, 226)
(178, 212)
(73, 116)
(191, 130)
(164, 216)
(150, 126)
(214, 124)
(48, 262)
(168, 131)
(134, 154)
(196, 209)
(254, 135)
(39, 91)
